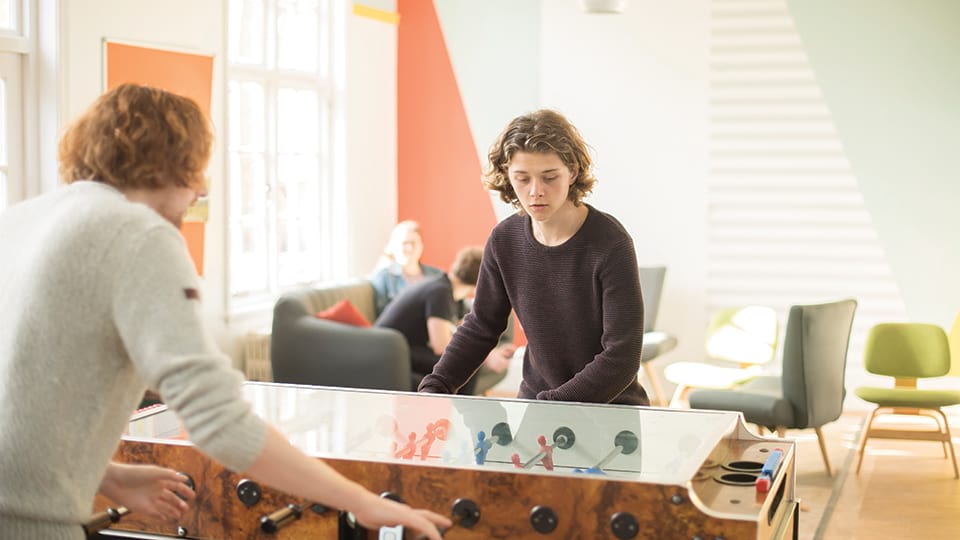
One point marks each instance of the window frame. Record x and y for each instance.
(16, 65)
(323, 82)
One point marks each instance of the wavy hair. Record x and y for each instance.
(541, 132)
(138, 137)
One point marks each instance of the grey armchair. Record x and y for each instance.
(312, 351)
(810, 391)
(655, 343)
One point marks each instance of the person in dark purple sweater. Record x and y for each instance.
(567, 269)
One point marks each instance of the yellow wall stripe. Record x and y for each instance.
(376, 14)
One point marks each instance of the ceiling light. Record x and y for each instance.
(603, 6)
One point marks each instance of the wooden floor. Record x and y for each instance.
(905, 490)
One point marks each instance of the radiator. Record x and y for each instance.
(256, 355)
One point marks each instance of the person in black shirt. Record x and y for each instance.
(427, 314)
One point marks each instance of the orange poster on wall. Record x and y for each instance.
(187, 74)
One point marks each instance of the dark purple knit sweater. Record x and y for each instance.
(580, 307)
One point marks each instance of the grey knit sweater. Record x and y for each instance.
(99, 302)
(579, 304)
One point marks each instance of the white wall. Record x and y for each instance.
(890, 72)
(635, 84)
(371, 96)
(496, 84)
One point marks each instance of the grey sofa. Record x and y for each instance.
(317, 352)
(312, 351)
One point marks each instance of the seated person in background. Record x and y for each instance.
(427, 314)
(400, 265)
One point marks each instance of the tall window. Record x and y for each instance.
(13, 46)
(10, 11)
(280, 114)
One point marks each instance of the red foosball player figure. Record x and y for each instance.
(409, 449)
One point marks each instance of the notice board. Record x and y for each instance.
(185, 73)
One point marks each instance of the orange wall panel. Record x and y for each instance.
(186, 74)
(438, 169)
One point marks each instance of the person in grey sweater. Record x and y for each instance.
(100, 302)
(568, 270)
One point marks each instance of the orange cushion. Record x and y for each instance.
(344, 312)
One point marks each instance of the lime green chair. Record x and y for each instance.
(954, 339)
(740, 341)
(908, 352)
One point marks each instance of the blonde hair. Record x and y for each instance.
(395, 243)
(138, 137)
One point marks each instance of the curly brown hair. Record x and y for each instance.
(138, 137)
(543, 131)
(466, 266)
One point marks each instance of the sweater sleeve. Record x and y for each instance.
(478, 334)
(159, 318)
(616, 366)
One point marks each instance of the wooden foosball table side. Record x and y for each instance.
(510, 504)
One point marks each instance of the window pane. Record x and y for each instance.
(298, 266)
(298, 122)
(277, 143)
(297, 29)
(10, 14)
(298, 219)
(13, 183)
(246, 116)
(249, 193)
(248, 256)
(298, 181)
(3, 144)
(4, 114)
(326, 16)
(246, 31)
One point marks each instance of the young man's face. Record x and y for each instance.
(172, 202)
(542, 183)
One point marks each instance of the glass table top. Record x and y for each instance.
(665, 446)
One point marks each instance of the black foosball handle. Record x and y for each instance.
(466, 514)
(626, 443)
(102, 520)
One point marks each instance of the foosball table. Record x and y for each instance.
(500, 468)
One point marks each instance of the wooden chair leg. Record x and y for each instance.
(679, 399)
(932, 413)
(823, 450)
(655, 384)
(949, 441)
(864, 435)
